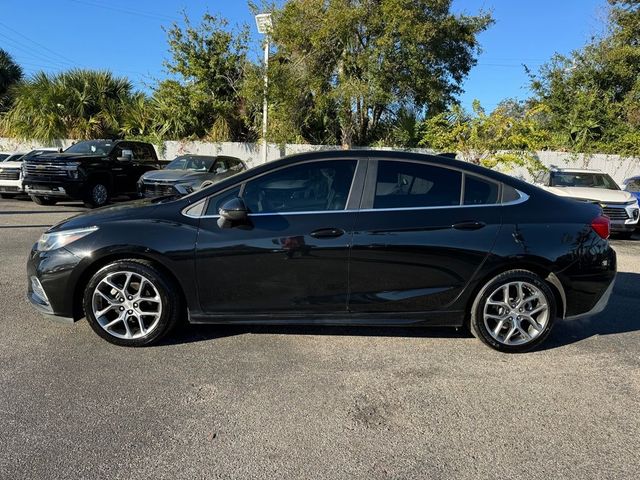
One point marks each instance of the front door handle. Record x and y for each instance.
(469, 225)
(327, 233)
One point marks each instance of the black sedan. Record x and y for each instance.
(333, 238)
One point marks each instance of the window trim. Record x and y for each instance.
(365, 175)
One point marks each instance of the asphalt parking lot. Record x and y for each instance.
(240, 402)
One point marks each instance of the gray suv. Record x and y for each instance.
(188, 173)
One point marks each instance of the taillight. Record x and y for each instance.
(602, 226)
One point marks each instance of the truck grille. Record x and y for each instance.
(9, 174)
(42, 170)
(158, 189)
(615, 213)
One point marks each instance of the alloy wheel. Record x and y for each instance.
(126, 305)
(99, 194)
(516, 313)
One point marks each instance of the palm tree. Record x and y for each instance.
(10, 74)
(72, 104)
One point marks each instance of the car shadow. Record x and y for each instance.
(620, 316)
(198, 333)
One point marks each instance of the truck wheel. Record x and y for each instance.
(97, 195)
(43, 200)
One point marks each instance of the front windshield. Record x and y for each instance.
(14, 157)
(193, 164)
(3, 156)
(590, 180)
(91, 147)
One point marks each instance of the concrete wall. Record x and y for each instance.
(618, 167)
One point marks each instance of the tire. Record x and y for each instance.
(120, 323)
(97, 195)
(516, 333)
(7, 195)
(38, 200)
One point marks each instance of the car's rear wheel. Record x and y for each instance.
(43, 200)
(131, 303)
(514, 312)
(97, 195)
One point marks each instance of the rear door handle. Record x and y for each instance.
(327, 233)
(468, 225)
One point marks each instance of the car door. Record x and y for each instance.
(292, 255)
(121, 170)
(420, 236)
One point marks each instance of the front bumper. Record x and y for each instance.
(623, 218)
(51, 280)
(72, 190)
(11, 186)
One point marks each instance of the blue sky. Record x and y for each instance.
(126, 37)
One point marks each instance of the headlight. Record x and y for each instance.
(184, 188)
(53, 240)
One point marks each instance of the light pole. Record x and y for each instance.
(264, 24)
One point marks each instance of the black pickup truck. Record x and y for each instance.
(92, 171)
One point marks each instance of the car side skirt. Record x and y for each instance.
(418, 319)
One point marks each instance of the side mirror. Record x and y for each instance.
(127, 156)
(232, 211)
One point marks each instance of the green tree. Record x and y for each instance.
(500, 138)
(593, 95)
(353, 64)
(73, 104)
(10, 75)
(207, 64)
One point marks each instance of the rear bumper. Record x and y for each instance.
(599, 306)
(587, 285)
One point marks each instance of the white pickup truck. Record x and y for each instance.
(595, 186)
(11, 171)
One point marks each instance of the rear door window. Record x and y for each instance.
(413, 185)
(478, 191)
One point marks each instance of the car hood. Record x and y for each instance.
(127, 210)
(10, 165)
(172, 175)
(63, 157)
(595, 194)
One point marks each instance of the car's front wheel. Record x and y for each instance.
(513, 312)
(131, 303)
(97, 195)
